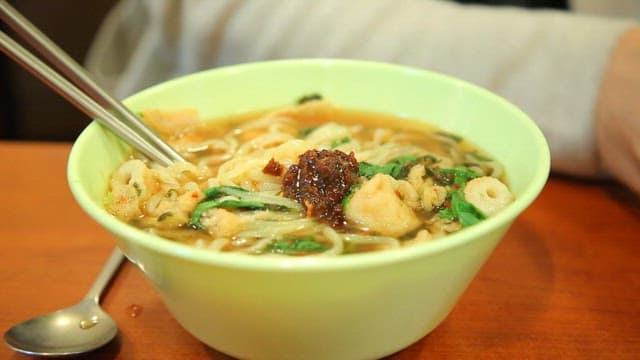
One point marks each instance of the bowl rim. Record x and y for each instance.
(314, 263)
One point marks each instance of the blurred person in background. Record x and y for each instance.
(576, 73)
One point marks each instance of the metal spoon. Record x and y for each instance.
(77, 329)
(84, 326)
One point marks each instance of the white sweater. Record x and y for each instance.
(549, 63)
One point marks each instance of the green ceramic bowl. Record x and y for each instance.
(352, 307)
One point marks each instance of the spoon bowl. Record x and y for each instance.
(70, 331)
(74, 330)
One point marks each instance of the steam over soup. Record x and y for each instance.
(308, 179)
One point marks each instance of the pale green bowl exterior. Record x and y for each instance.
(352, 307)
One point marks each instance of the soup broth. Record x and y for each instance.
(309, 179)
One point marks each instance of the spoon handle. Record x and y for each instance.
(106, 274)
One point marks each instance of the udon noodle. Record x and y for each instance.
(309, 179)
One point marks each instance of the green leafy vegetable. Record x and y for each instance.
(298, 246)
(270, 201)
(239, 198)
(202, 207)
(352, 190)
(369, 170)
(447, 213)
(466, 212)
(214, 192)
(461, 209)
(458, 208)
(450, 176)
(396, 168)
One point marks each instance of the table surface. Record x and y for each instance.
(564, 282)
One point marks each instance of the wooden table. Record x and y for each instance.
(564, 283)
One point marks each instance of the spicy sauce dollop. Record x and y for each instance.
(320, 180)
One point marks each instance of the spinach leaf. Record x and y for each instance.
(396, 168)
(453, 176)
(447, 213)
(217, 191)
(466, 212)
(368, 170)
(352, 190)
(461, 209)
(299, 246)
(239, 198)
(273, 202)
(202, 207)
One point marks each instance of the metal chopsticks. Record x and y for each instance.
(78, 88)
